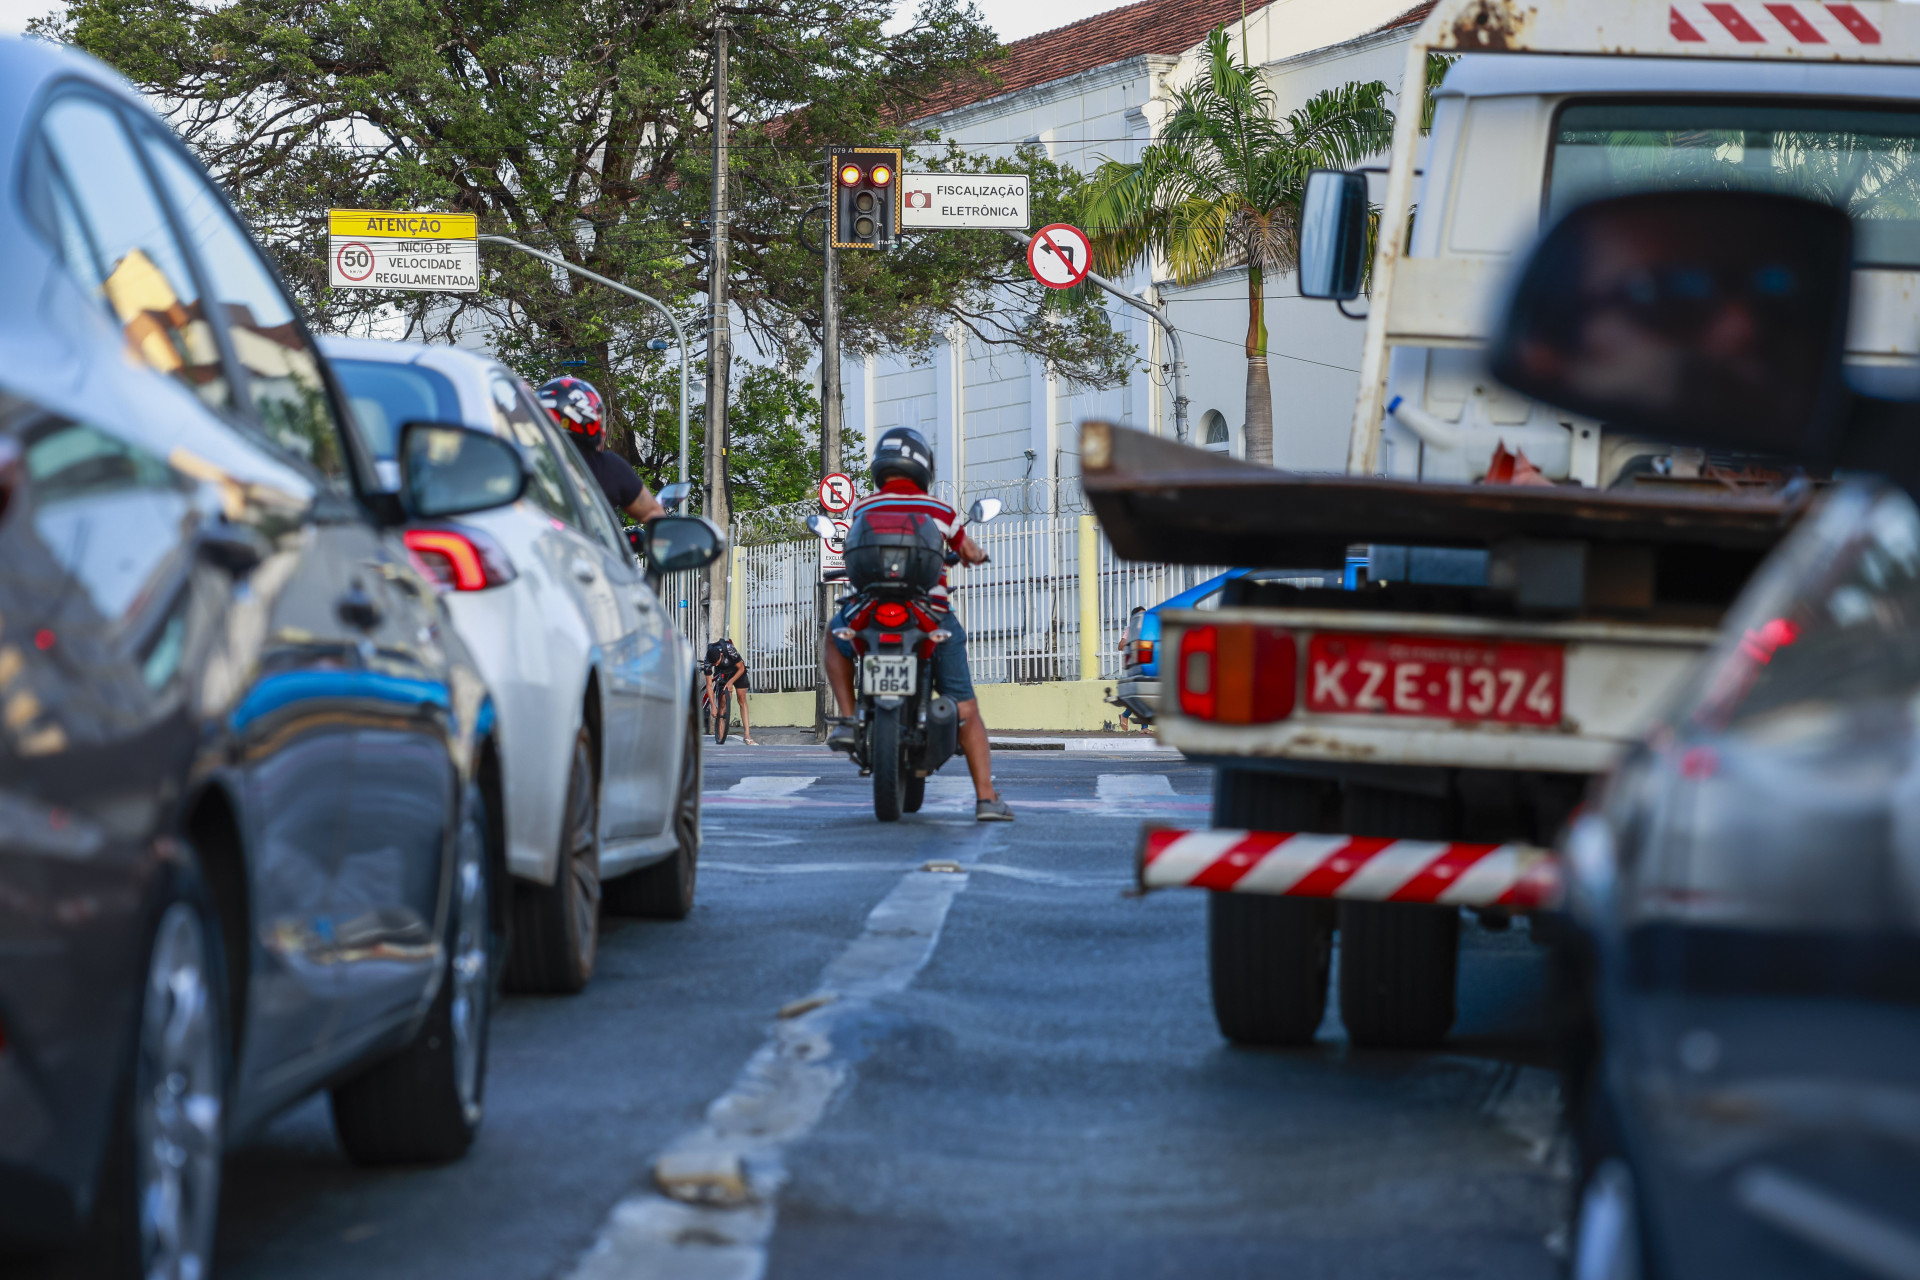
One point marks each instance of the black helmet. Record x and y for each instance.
(902, 451)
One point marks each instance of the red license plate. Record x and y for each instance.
(1498, 680)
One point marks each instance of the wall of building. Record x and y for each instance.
(998, 417)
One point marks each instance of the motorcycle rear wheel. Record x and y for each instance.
(889, 771)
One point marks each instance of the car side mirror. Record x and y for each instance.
(448, 470)
(984, 510)
(1708, 318)
(678, 543)
(1333, 235)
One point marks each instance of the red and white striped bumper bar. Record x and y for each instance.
(1355, 868)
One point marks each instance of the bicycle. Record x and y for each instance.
(710, 722)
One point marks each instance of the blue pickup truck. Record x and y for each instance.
(1138, 688)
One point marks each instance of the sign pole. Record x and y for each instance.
(830, 406)
(719, 332)
(679, 334)
(1166, 325)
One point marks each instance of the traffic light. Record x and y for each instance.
(866, 196)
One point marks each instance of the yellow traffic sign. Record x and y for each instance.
(419, 251)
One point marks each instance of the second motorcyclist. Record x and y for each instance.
(576, 406)
(903, 468)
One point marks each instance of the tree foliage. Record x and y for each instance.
(1222, 188)
(583, 127)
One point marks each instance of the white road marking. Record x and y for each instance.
(949, 793)
(733, 1163)
(1135, 786)
(766, 786)
(1026, 874)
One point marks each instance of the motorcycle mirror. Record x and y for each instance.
(984, 509)
(821, 526)
(675, 494)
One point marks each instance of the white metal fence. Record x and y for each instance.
(1022, 609)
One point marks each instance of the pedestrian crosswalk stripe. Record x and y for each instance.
(761, 784)
(1134, 786)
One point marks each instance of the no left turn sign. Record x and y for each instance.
(1059, 255)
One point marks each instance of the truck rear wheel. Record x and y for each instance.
(1397, 962)
(1267, 957)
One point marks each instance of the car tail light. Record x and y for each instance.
(459, 559)
(1142, 653)
(891, 614)
(1236, 673)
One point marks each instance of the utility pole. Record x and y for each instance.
(830, 404)
(719, 339)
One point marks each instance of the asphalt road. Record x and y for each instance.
(1008, 1070)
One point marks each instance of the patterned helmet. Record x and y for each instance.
(573, 403)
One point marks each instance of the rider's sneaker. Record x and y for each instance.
(843, 733)
(994, 810)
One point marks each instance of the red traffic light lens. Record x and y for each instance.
(881, 175)
(850, 175)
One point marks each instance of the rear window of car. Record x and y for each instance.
(385, 397)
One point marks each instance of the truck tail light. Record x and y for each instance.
(1236, 673)
(459, 559)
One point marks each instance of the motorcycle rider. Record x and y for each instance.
(729, 666)
(576, 406)
(903, 468)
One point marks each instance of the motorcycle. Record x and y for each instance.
(906, 730)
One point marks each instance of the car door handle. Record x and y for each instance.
(583, 571)
(357, 609)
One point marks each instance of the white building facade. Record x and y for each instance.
(1000, 420)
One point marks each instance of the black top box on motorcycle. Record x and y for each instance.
(895, 548)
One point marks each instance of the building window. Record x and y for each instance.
(1213, 432)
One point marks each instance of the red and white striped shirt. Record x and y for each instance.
(897, 493)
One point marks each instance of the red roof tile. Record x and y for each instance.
(1151, 26)
(1411, 18)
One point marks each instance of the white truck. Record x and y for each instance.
(1388, 756)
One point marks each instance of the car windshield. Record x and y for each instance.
(387, 396)
(1862, 160)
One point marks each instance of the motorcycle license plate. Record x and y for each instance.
(883, 674)
(1461, 680)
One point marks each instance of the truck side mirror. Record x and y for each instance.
(1333, 235)
(1710, 318)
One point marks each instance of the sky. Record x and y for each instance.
(1012, 19)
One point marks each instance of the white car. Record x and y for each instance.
(594, 688)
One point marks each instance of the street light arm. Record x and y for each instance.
(679, 334)
(1166, 326)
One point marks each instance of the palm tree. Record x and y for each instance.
(1222, 188)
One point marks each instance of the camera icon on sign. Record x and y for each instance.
(919, 200)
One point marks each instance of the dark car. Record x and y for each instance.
(1746, 1075)
(247, 835)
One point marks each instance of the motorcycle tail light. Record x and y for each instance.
(891, 614)
(459, 559)
(1236, 673)
(891, 640)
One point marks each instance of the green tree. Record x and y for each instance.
(773, 452)
(583, 127)
(1222, 188)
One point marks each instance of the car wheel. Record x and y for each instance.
(423, 1104)
(556, 927)
(664, 891)
(160, 1197)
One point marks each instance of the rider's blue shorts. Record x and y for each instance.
(949, 656)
